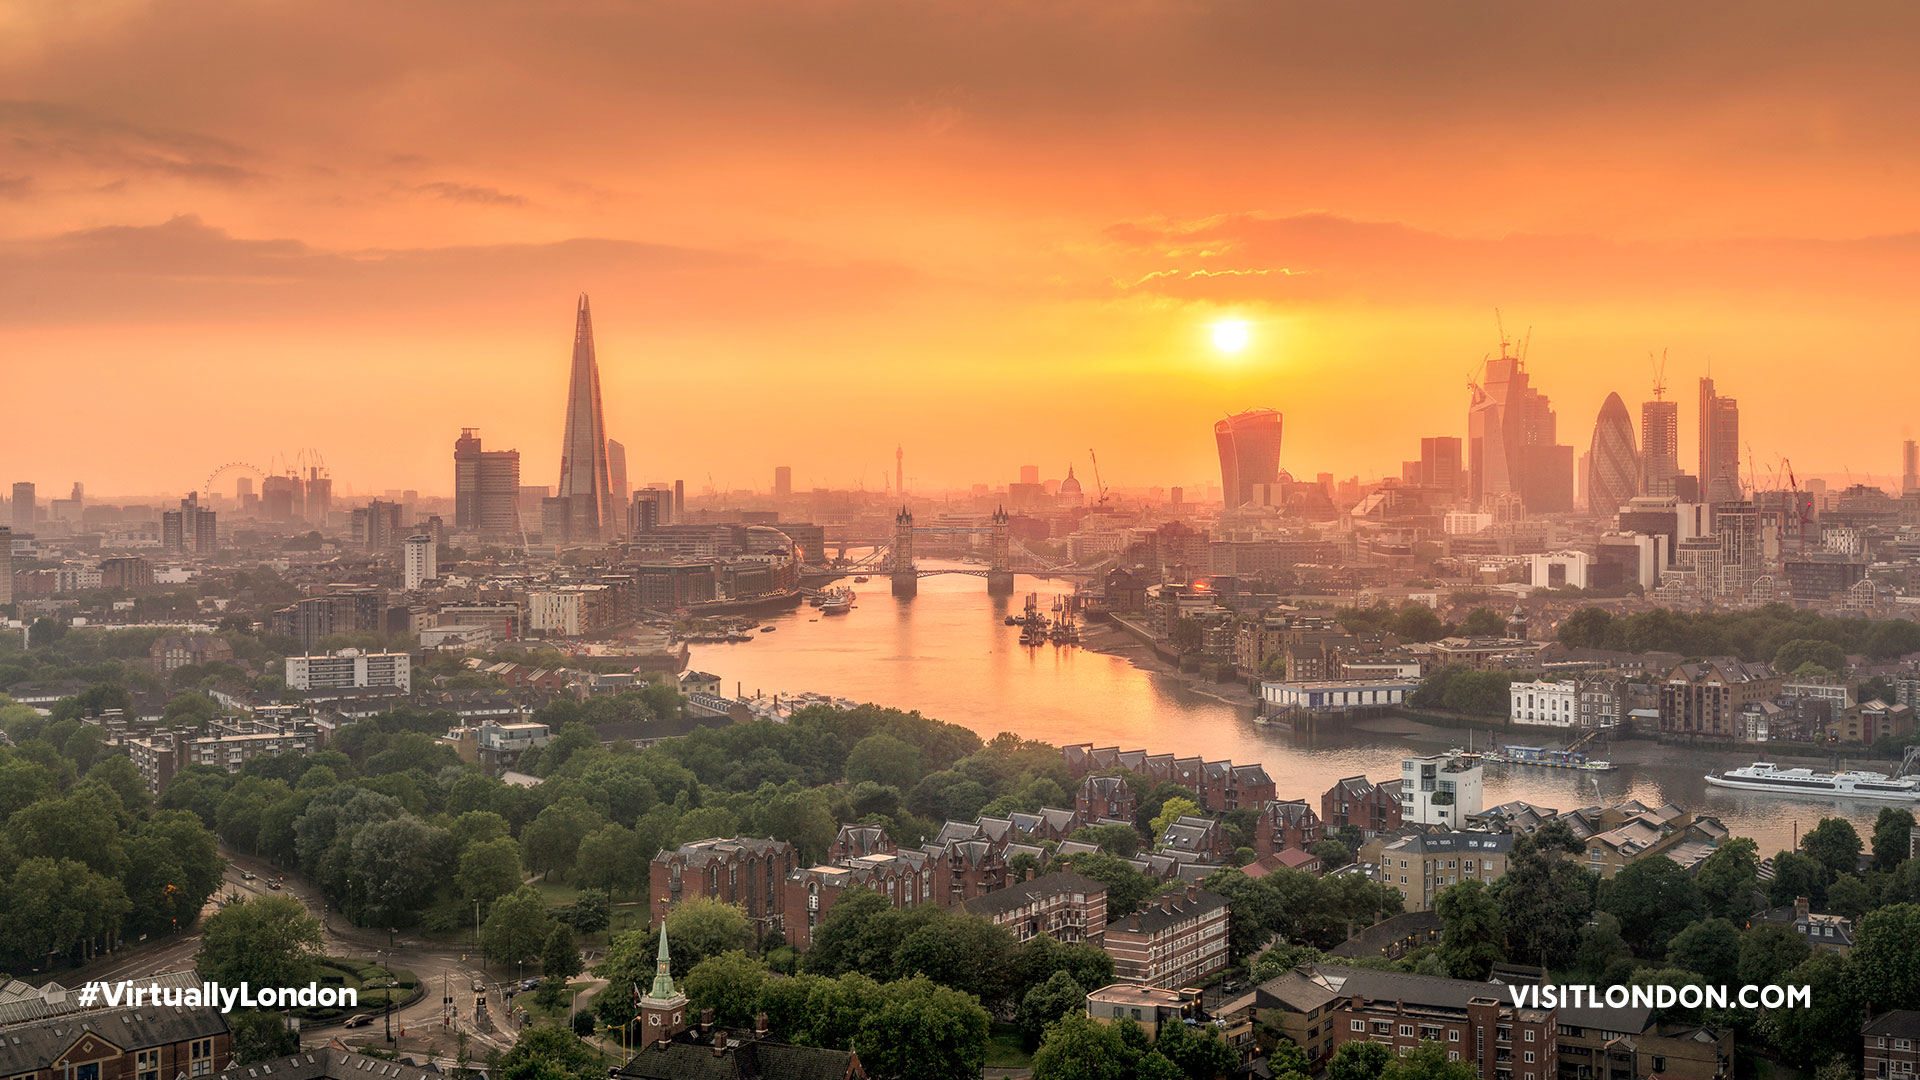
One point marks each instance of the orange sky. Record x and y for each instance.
(995, 232)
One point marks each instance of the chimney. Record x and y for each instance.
(1801, 908)
(719, 1039)
(1166, 901)
(1193, 892)
(706, 1022)
(760, 1029)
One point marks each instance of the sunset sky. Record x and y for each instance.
(998, 233)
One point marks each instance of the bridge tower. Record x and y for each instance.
(999, 558)
(906, 582)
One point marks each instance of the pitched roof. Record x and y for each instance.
(328, 1064)
(35, 1045)
(1027, 892)
(1900, 1023)
(743, 1058)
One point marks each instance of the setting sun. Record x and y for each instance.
(1230, 336)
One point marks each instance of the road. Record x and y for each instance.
(441, 969)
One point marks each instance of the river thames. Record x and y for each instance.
(948, 654)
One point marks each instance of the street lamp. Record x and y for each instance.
(476, 932)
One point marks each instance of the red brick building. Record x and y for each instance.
(1225, 786)
(1283, 826)
(743, 871)
(1103, 797)
(1177, 939)
(1890, 1045)
(857, 840)
(1065, 906)
(1471, 1020)
(1361, 803)
(132, 1043)
(907, 879)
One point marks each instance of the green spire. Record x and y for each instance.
(662, 971)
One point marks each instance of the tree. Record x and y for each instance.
(924, 1032)
(884, 759)
(1891, 837)
(1796, 875)
(964, 952)
(1545, 899)
(266, 941)
(1481, 692)
(700, 926)
(1428, 1061)
(1046, 1004)
(1126, 887)
(1835, 845)
(1830, 1024)
(1359, 1061)
(589, 913)
(1729, 877)
(609, 860)
(845, 940)
(1601, 949)
(259, 1035)
(729, 984)
(1483, 622)
(1710, 949)
(1077, 1048)
(549, 1053)
(1849, 896)
(1885, 967)
(551, 841)
(1769, 951)
(489, 869)
(1171, 811)
(1654, 899)
(1198, 1052)
(1823, 654)
(399, 865)
(1470, 933)
(1417, 622)
(1588, 628)
(517, 927)
(1120, 840)
(559, 961)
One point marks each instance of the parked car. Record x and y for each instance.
(529, 984)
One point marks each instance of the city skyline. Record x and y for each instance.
(1007, 239)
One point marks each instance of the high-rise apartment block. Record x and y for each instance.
(420, 562)
(782, 481)
(486, 488)
(1659, 447)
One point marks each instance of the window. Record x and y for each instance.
(147, 1065)
(1406, 1031)
(1453, 1035)
(1357, 1025)
(1529, 1036)
(201, 1051)
(1527, 1057)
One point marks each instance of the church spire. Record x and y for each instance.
(662, 970)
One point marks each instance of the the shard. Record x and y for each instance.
(585, 478)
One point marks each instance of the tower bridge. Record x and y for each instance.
(1005, 556)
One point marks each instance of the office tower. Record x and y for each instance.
(1249, 445)
(23, 508)
(242, 489)
(421, 565)
(1719, 445)
(556, 520)
(1659, 446)
(1030, 474)
(648, 510)
(1909, 466)
(617, 478)
(782, 481)
(679, 502)
(173, 530)
(1613, 464)
(585, 479)
(6, 565)
(486, 488)
(1513, 447)
(1440, 462)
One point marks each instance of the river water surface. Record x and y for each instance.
(948, 654)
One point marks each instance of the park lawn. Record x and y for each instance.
(1005, 1049)
(557, 1012)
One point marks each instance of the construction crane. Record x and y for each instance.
(1098, 484)
(1659, 374)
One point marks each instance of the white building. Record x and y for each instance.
(1336, 693)
(421, 562)
(1552, 704)
(568, 610)
(351, 669)
(1441, 789)
(1561, 569)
